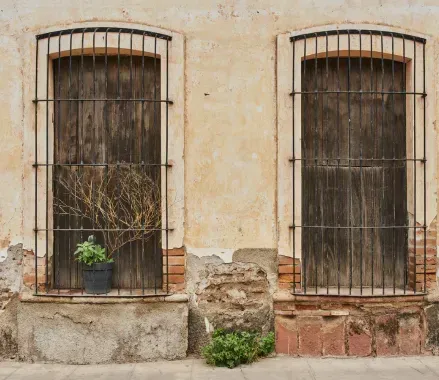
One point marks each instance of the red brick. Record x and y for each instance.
(410, 335)
(284, 306)
(285, 286)
(420, 251)
(286, 335)
(306, 307)
(286, 260)
(386, 332)
(293, 269)
(174, 260)
(178, 269)
(289, 278)
(310, 337)
(174, 252)
(359, 337)
(333, 336)
(174, 278)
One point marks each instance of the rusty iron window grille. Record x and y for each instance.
(357, 146)
(88, 117)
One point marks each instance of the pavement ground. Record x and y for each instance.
(276, 368)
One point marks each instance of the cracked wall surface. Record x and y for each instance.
(10, 284)
(90, 334)
(234, 295)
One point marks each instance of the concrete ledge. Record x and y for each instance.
(79, 333)
(86, 299)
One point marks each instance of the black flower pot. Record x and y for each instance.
(97, 278)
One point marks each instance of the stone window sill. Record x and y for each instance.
(285, 296)
(89, 299)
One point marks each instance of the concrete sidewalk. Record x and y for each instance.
(278, 368)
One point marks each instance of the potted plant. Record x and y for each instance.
(98, 269)
(123, 205)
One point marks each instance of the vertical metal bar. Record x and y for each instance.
(132, 104)
(69, 156)
(118, 159)
(372, 231)
(361, 169)
(350, 250)
(142, 133)
(414, 165)
(425, 170)
(338, 164)
(382, 162)
(404, 89)
(393, 165)
(155, 126)
(57, 253)
(327, 162)
(294, 169)
(305, 257)
(81, 88)
(166, 168)
(107, 140)
(36, 165)
(316, 258)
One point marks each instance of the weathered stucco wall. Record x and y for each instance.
(230, 133)
(99, 333)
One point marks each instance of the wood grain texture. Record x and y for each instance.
(344, 182)
(106, 132)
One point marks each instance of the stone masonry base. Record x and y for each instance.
(102, 333)
(314, 326)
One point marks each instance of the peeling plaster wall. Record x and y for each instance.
(230, 125)
(230, 295)
(230, 131)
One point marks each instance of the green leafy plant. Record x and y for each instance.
(91, 253)
(230, 349)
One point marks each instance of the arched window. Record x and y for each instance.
(359, 170)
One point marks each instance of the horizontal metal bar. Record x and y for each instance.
(310, 294)
(292, 226)
(103, 29)
(104, 229)
(357, 31)
(424, 94)
(104, 100)
(131, 164)
(84, 295)
(354, 159)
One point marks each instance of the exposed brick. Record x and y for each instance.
(174, 260)
(386, 331)
(284, 312)
(333, 336)
(289, 278)
(286, 260)
(284, 306)
(285, 286)
(359, 337)
(286, 335)
(310, 337)
(174, 252)
(307, 306)
(178, 269)
(410, 335)
(292, 269)
(174, 278)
